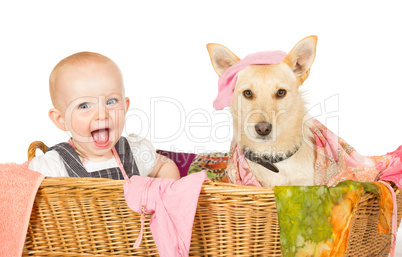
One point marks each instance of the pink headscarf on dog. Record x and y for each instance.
(228, 79)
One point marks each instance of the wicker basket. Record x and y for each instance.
(89, 216)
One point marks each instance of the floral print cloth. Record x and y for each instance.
(337, 161)
(213, 163)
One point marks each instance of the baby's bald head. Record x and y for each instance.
(80, 59)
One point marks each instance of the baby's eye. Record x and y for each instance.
(111, 101)
(83, 106)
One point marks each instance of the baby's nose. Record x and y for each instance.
(103, 111)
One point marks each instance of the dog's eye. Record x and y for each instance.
(281, 93)
(248, 94)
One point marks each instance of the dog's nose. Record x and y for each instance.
(263, 128)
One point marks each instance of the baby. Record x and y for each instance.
(89, 101)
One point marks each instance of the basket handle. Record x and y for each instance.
(36, 145)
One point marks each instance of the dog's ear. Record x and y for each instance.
(302, 57)
(221, 57)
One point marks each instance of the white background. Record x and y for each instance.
(160, 48)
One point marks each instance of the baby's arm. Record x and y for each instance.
(50, 164)
(165, 168)
(150, 163)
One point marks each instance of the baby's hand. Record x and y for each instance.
(165, 168)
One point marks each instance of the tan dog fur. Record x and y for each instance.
(290, 122)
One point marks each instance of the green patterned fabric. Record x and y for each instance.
(315, 220)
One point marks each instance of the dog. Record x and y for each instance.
(270, 123)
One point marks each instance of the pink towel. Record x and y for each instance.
(173, 204)
(18, 187)
(228, 79)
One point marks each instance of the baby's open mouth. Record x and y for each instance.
(101, 137)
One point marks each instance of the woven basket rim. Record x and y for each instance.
(207, 187)
(104, 183)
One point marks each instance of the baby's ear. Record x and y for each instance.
(127, 103)
(57, 119)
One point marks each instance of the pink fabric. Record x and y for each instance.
(227, 80)
(337, 161)
(18, 187)
(173, 204)
(239, 171)
(391, 167)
